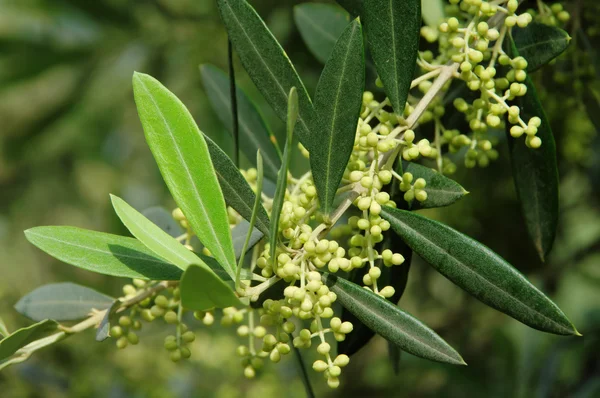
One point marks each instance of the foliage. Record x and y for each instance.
(333, 218)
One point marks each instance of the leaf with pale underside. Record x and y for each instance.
(102, 253)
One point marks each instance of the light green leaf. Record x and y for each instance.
(282, 177)
(155, 239)
(539, 43)
(266, 62)
(391, 323)
(182, 156)
(3, 329)
(478, 270)
(433, 12)
(254, 131)
(337, 103)
(102, 253)
(535, 173)
(62, 302)
(236, 190)
(199, 292)
(392, 28)
(320, 26)
(441, 190)
(24, 336)
(103, 331)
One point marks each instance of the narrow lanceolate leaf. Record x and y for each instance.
(24, 336)
(337, 104)
(162, 244)
(62, 302)
(292, 114)
(200, 293)
(441, 191)
(391, 323)
(254, 131)
(479, 271)
(266, 62)
(239, 233)
(535, 173)
(392, 28)
(539, 43)
(182, 156)
(236, 190)
(433, 12)
(320, 25)
(103, 331)
(102, 253)
(3, 329)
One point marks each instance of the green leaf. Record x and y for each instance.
(24, 336)
(103, 331)
(266, 62)
(182, 156)
(478, 270)
(155, 239)
(392, 28)
(239, 233)
(539, 43)
(199, 292)
(535, 173)
(164, 220)
(62, 302)
(337, 103)
(255, 210)
(433, 12)
(354, 7)
(102, 253)
(394, 354)
(254, 131)
(236, 190)
(390, 322)
(320, 25)
(282, 177)
(441, 190)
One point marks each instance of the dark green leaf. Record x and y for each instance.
(539, 43)
(392, 28)
(394, 354)
(267, 63)
(254, 131)
(337, 103)
(390, 322)
(282, 177)
(24, 336)
(478, 270)
(182, 156)
(62, 302)
(236, 190)
(535, 173)
(354, 7)
(320, 25)
(102, 253)
(441, 190)
(164, 220)
(103, 331)
(200, 293)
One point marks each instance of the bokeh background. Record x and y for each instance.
(69, 136)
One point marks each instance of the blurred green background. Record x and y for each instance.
(69, 135)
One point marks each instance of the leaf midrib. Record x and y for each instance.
(187, 170)
(497, 288)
